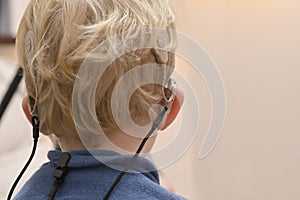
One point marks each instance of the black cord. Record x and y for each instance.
(11, 91)
(155, 125)
(35, 124)
(59, 173)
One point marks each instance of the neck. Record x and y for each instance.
(117, 141)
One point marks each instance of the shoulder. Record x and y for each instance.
(37, 186)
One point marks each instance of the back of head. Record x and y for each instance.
(55, 37)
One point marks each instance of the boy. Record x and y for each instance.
(55, 38)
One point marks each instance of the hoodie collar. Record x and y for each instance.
(104, 158)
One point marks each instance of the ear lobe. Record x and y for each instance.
(174, 109)
(25, 106)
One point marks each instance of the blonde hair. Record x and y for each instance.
(64, 32)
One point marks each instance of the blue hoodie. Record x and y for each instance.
(88, 178)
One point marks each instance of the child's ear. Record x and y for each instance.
(174, 108)
(26, 109)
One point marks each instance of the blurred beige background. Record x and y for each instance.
(255, 45)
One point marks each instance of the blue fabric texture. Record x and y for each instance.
(89, 177)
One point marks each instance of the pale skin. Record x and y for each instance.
(122, 140)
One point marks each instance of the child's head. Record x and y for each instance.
(61, 33)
